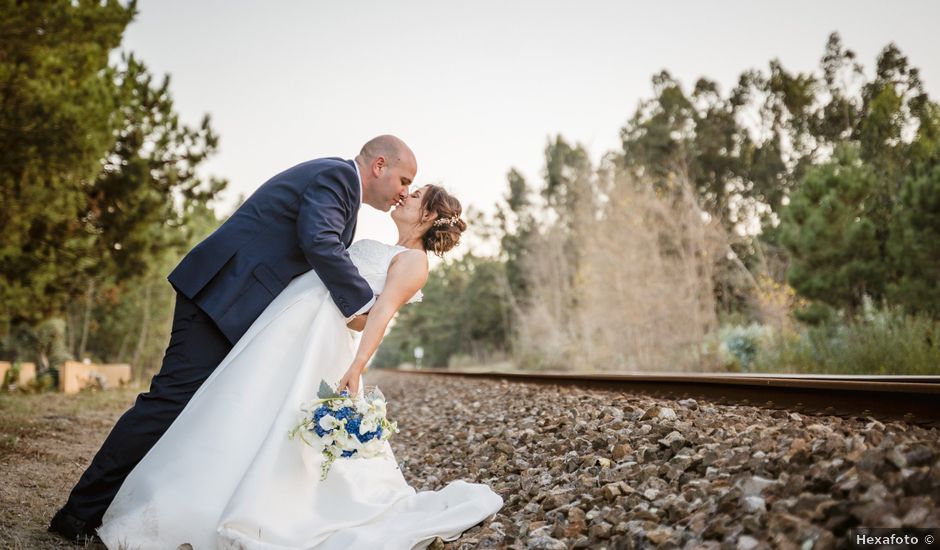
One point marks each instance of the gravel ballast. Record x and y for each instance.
(582, 468)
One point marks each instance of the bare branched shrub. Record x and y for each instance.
(636, 293)
(774, 304)
(545, 335)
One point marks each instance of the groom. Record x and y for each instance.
(303, 218)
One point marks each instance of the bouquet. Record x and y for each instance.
(340, 426)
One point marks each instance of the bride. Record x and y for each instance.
(225, 474)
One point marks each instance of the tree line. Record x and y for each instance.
(100, 187)
(791, 198)
(815, 192)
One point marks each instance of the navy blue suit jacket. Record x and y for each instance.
(303, 218)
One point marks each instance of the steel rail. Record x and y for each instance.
(914, 399)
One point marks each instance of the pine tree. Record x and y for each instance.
(58, 99)
(831, 229)
(914, 245)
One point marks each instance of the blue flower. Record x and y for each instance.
(317, 415)
(354, 425)
(348, 453)
(369, 435)
(345, 412)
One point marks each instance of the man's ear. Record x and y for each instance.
(378, 166)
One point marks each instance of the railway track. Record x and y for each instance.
(914, 399)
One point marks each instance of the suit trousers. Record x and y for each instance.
(196, 348)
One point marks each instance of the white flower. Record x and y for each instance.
(345, 441)
(379, 410)
(368, 425)
(329, 422)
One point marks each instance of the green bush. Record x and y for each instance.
(881, 342)
(739, 345)
(11, 377)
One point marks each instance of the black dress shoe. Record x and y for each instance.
(73, 528)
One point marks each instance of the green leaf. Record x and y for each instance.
(326, 391)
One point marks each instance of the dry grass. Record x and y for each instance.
(628, 287)
(46, 441)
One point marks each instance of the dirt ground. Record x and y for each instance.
(46, 441)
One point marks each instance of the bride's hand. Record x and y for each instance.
(351, 380)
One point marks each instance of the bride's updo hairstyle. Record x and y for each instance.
(445, 230)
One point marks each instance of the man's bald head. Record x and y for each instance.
(390, 147)
(386, 168)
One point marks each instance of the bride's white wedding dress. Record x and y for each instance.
(225, 474)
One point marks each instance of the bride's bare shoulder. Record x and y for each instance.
(411, 263)
(414, 255)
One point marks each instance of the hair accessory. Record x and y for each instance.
(445, 221)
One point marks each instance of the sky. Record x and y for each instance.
(475, 88)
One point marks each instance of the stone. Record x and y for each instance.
(798, 452)
(610, 491)
(600, 530)
(919, 456)
(916, 517)
(755, 485)
(551, 502)
(660, 413)
(621, 451)
(575, 527)
(751, 524)
(581, 542)
(753, 504)
(895, 457)
(806, 504)
(673, 440)
(544, 542)
(688, 404)
(666, 413)
(659, 536)
(576, 514)
(625, 488)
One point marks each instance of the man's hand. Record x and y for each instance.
(358, 322)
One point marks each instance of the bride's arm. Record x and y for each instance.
(406, 275)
